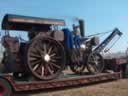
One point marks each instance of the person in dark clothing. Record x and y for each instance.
(77, 36)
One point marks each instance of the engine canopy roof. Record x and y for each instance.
(25, 23)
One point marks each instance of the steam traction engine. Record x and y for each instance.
(42, 56)
(48, 50)
(92, 58)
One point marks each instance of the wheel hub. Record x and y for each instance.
(47, 57)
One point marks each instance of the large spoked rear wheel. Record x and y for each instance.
(46, 58)
(5, 88)
(95, 63)
(77, 65)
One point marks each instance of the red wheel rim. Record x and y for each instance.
(2, 90)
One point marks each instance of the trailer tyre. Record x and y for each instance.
(5, 88)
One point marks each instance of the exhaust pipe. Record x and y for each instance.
(82, 30)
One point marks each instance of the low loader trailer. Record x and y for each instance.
(9, 85)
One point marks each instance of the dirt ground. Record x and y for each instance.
(112, 88)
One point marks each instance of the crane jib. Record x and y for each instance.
(107, 40)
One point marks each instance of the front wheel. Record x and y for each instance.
(95, 63)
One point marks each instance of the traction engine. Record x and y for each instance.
(49, 50)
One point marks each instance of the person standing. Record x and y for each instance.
(77, 36)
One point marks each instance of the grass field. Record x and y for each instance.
(112, 88)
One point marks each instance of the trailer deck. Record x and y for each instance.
(66, 80)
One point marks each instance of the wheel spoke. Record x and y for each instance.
(92, 62)
(91, 68)
(40, 44)
(42, 47)
(32, 59)
(53, 60)
(56, 57)
(53, 54)
(37, 48)
(50, 49)
(35, 55)
(33, 63)
(42, 71)
(45, 48)
(49, 70)
(33, 50)
(95, 67)
(38, 70)
(55, 65)
(35, 67)
(94, 59)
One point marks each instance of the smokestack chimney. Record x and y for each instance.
(81, 24)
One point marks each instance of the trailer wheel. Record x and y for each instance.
(95, 63)
(5, 88)
(46, 58)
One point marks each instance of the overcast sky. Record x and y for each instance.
(99, 15)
